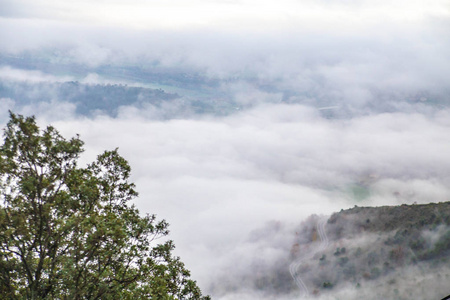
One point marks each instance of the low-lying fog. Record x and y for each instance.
(265, 125)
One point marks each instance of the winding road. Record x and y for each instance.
(293, 267)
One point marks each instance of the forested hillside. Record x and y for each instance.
(388, 252)
(384, 246)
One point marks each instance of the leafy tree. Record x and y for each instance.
(68, 232)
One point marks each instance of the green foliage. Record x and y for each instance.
(373, 258)
(343, 260)
(358, 252)
(68, 232)
(339, 251)
(375, 273)
(349, 271)
(323, 260)
(441, 249)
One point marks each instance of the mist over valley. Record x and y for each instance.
(298, 150)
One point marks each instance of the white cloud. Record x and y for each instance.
(33, 76)
(347, 15)
(217, 179)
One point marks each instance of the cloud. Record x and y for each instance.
(217, 179)
(33, 76)
(359, 71)
(257, 15)
(308, 107)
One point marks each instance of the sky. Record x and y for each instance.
(235, 14)
(380, 68)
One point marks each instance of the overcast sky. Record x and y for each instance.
(236, 14)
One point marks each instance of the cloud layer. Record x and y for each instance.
(236, 14)
(285, 109)
(218, 179)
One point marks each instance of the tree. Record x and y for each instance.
(70, 232)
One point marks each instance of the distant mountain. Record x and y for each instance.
(195, 90)
(88, 98)
(389, 252)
